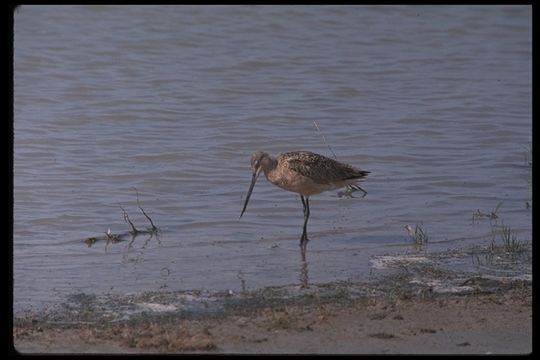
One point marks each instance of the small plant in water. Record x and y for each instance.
(418, 235)
(509, 239)
(477, 215)
(510, 243)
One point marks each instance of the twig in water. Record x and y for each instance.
(126, 219)
(154, 228)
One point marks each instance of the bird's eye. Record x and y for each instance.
(257, 163)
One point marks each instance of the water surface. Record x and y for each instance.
(435, 101)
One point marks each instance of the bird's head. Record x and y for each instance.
(259, 160)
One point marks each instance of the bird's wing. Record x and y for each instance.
(320, 168)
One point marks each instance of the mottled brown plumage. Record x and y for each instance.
(325, 173)
(305, 173)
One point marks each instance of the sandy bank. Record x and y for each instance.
(492, 317)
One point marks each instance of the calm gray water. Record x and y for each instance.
(435, 101)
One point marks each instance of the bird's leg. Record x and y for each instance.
(362, 190)
(305, 202)
(304, 210)
(306, 220)
(350, 190)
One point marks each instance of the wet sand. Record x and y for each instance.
(395, 315)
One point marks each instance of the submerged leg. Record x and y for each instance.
(305, 203)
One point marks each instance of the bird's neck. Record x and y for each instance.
(269, 166)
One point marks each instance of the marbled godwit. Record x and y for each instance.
(305, 173)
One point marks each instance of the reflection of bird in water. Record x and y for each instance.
(304, 273)
(305, 173)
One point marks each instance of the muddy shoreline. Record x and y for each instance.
(397, 314)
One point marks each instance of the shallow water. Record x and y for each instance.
(435, 101)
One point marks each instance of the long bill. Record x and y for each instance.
(253, 180)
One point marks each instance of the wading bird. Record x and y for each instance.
(305, 173)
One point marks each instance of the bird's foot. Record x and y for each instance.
(352, 189)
